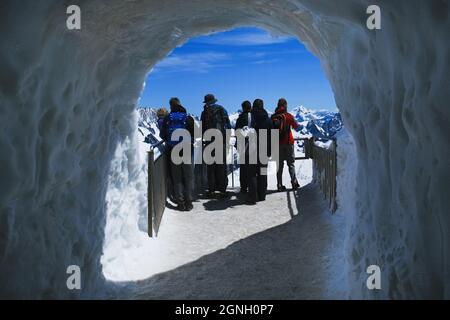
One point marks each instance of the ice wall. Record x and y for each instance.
(67, 99)
(126, 204)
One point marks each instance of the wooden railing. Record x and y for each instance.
(306, 144)
(324, 165)
(325, 170)
(156, 187)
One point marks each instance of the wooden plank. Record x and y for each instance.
(325, 171)
(335, 175)
(159, 186)
(150, 194)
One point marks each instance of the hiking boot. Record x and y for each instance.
(281, 188)
(250, 202)
(295, 185)
(223, 195)
(181, 206)
(209, 194)
(189, 206)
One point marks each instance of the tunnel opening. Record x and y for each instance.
(392, 93)
(278, 66)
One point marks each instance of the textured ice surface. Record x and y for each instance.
(67, 101)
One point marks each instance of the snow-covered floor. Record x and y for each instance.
(288, 247)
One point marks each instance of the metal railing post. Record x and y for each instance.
(325, 170)
(151, 162)
(232, 167)
(334, 204)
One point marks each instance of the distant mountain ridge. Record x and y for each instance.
(321, 124)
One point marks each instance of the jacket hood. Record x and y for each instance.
(259, 114)
(213, 105)
(279, 110)
(178, 108)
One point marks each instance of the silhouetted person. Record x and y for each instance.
(244, 120)
(215, 116)
(257, 179)
(162, 113)
(284, 122)
(182, 174)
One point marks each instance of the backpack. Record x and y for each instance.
(248, 132)
(214, 117)
(177, 120)
(280, 123)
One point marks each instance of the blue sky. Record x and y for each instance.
(237, 65)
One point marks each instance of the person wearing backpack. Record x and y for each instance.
(284, 122)
(214, 116)
(182, 174)
(161, 114)
(256, 178)
(242, 123)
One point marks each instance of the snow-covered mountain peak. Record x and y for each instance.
(321, 124)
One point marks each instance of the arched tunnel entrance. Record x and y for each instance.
(68, 96)
(283, 65)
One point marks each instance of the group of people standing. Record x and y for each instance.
(253, 177)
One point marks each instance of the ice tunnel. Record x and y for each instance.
(67, 99)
